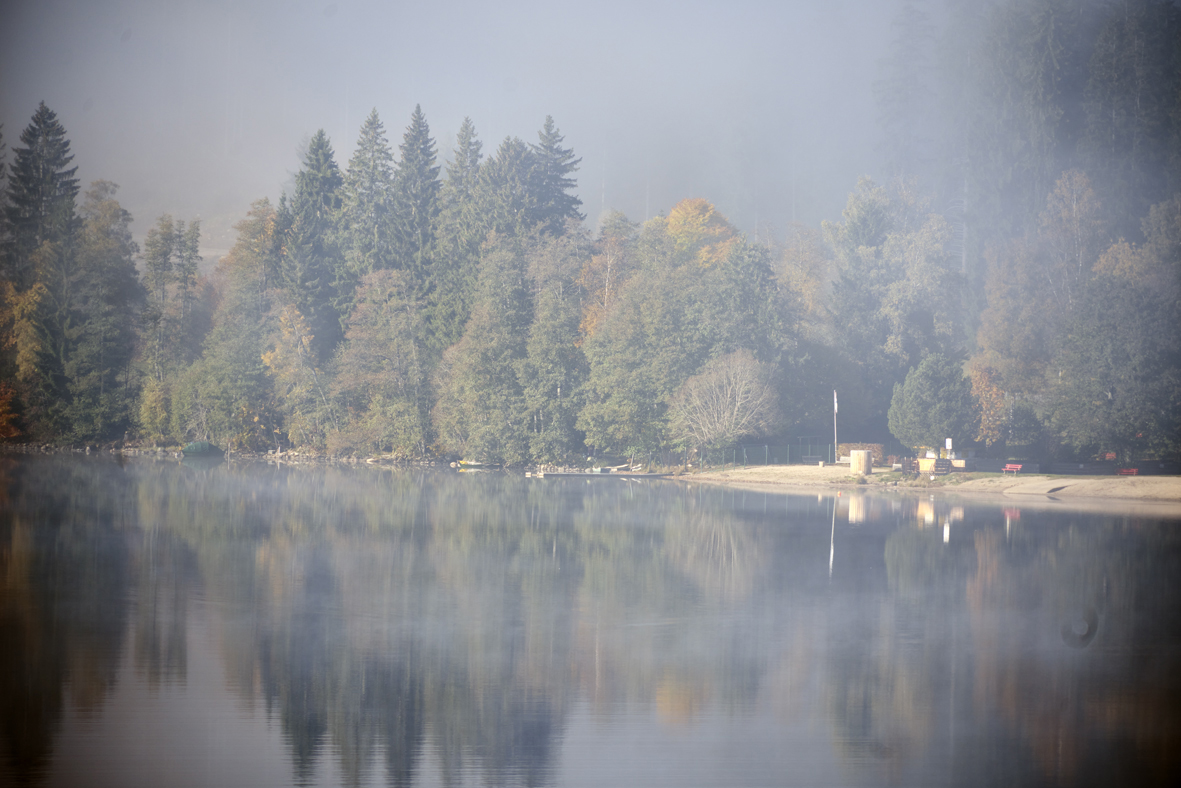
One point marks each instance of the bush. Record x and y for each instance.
(876, 450)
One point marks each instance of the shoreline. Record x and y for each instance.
(1138, 495)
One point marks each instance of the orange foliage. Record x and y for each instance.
(698, 230)
(8, 414)
(991, 399)
(602, 278)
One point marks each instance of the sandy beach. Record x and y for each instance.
(1156, 495)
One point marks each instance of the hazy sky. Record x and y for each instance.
(199, 108)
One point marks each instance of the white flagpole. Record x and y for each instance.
(835, 456)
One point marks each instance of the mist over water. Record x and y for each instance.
(257, 624)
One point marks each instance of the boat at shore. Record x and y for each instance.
(202, 449)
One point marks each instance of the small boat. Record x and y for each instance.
(202, 449)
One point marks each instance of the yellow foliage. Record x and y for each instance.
(803, 269)
(155, 405)
(991, 399)
(18, 319)
(1138, 264)
(699, 230)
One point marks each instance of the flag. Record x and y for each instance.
(834, 401)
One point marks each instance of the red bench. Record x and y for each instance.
(1129, 471)
(1013, 467)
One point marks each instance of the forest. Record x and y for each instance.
(1011, 279)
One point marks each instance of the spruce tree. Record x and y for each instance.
(159, 273)
(108, 295)
(464, 167)
(458, 242)
(553, 166)
(41, 194)
(417, 200)
(188, 256)
(366, 223)
(310, 255)
(40, 270)
(506, 197)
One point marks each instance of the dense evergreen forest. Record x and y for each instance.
(1012, 279)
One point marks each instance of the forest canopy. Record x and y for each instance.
(1023, 263)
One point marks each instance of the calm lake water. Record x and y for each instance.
(255, 625)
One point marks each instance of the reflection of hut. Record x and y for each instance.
(858, 509)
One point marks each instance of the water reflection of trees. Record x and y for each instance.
(63, 600)
(1092, 711)
(387, 619)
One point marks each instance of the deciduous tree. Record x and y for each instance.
(731, 398)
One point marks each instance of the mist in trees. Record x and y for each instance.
(424, 299)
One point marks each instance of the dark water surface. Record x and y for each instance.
(238, 626)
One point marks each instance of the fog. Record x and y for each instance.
(198, 108)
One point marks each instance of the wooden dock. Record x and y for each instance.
(589, 475)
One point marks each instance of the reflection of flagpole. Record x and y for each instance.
(832, 536)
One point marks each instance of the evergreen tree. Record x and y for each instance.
(159, 273)
(895, 298)
(416, 182)
(188, 257)
(109, 293)
(553, 166)
(366, 223)
(41, 194)
(506, 198)
(40, 271)
(933, 403)
(458, 244)
(481, 408)
(380, 372)
(554, 368)
(310, 256)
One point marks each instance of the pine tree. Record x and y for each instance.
(367, 200)
(310, 255)
(41, 194)
(417, 199)
(553, 165)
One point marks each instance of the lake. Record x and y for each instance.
(252, 624)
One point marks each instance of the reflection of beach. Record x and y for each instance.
(1149, 496)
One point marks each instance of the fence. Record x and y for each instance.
(767, 454)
